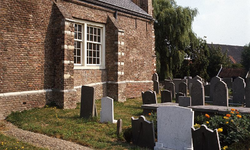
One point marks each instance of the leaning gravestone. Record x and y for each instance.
(143, 132)
(88, 108)
(239, 90)
(149, 97)
(166, 96)
(213, 82)
(183, 88)
(205, 139)
(174, 128)
(107, 111)
(248, 92)
(220, 94)
(171, 87)
(184, 101)
(197, 93)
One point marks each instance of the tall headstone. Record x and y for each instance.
(220, 94)
(155, 79)
(88, 108)
(174, 128)
(213, 82)
(183, 88)
(205, 139)
(248, 92)
(149, 97)
(107, 111)
(198, 78)
(166, 96)
(143, 133)
(184, 101)
(197, 93)
(239, 90)
(171, 87)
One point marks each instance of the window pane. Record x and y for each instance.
(79, 28)
(98, 61)
(99, 39)
(99, 31)
(91, 38)
(79, 36)
(94, 61)
(91, 30)
(97, 54)
(78, 60)
(95, 39)
(78, 45)
(94, 53)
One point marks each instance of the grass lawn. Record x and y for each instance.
(67, 124)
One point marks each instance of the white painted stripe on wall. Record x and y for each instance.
(24, 92)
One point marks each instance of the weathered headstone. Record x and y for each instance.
(155, 77)
(205, 139)
(239, 90)
(220, 94)
(213, 82)
(171, 87)
(198, 78)
(174, 128)
(197, 93)
(177, 82)
(184, 101)
(166, 96)
(143, 133)
(88, 108)
(248, 92)
(183, 88)
(149, 97)
(119, 127)
(177, 96)
(107, 111)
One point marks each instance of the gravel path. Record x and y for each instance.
(39, 140)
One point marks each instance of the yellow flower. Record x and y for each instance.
(232, 121)
(220, 129)
(232, 109)
(196, 126)
(225, 147)
(225, 117)
(227, 122)
(2, 143)
(22, 147)
(239, 116)
(207, 122)
(207, 115)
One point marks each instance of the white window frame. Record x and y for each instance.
(84, 64)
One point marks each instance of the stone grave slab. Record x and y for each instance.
(205, 139)
(248, 92)
(174, 128)
(166, 96)
(197, 93)
(183, 88)
(88, 107)
(239, 90)
(143, 133)
(213, 82)
(220, 94)
(149, 97)
(107, 111)
(171, 87)
(184, 101)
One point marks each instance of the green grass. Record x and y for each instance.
(67, 124)
(7, 143)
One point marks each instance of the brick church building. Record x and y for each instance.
(50, 48)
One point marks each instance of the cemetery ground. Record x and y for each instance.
(67, 125)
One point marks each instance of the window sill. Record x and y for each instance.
(88, 67)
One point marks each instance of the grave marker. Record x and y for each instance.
(205, 139)
(88, 108)
(149, 97)
(184, 101)
(166, 96)
(174, 128)
(220, 94)
(213, 82)
(248, 92)
(143, 132)
(171, 87)
(239, 90)
(119, 127)
(183, 88)
(177, 96)
(107, 111)
(197, 93)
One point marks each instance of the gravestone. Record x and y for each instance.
(107, 111)
(183, 88)
(88, 107)
(171, 87)
(207, 90)
(213, 82)
(155, 79)
(205, 139)
(143, 133)
(248, 92)
(177, 96)
(197, 93)
(174, 128)
(177, 82)
(149, 97)
(166, 96)
(184, 101)
(220, 94)
(198, 78)
(119, 127)
(239, 90)
(228, 81)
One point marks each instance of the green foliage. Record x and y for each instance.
(232, 128)
(245, 57)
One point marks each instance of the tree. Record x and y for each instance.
(245, 57)
(173, 34)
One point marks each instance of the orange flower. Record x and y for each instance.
(239, 116)
(237, 112)
(227, 122)
(228, 115)
(207, 115)
(232, 109)
(232, 112)
(149, 114)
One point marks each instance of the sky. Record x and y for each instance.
(221, 21)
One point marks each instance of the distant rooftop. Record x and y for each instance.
(233, 73)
